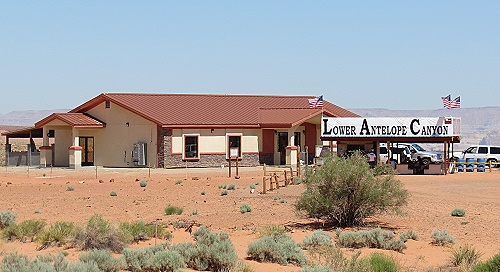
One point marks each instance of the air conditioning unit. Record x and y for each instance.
(139, 154)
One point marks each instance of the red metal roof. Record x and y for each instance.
(206, 110)
(72, 119)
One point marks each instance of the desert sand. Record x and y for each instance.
(42, 193)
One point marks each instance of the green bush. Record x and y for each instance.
(113, 194)
(99, 234)
(223, 193)
(70, 188)
(153, 258)
(278, 248)
(375, 238)
(7, 218)
(491, 265)
(24, 230)
(140, 231)
(382, 263)
(169, 210)
(231, 186)
(244, 208)
(21, 263)
(405, 236)
(318, 238)
(203, 193)
(57, 234)
(345, 191)
(178, 182)
(104, 260)
(211, 251)
(79, 266)
(253, 186)
(458, 212)
(441, 238)
(465, 256)
(143, 183)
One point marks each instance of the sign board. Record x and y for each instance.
(390, 127)
(234, 152)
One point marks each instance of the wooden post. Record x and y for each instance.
(276, 180)
(286, 179)
(229, 166)
(265, 170)
(264, 184)
(237, 175)
(490, 164)
(96, 171)
(291, 174)
(271, 183)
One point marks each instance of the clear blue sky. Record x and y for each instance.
(358, 54)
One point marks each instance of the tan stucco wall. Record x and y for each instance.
(216, 142)
(62, 143)
(114, 143)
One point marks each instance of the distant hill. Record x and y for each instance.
(25, 118)
(479, 125)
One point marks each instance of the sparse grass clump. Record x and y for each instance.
(441, 237)
(25, 230)
(7, 218)
(231, 186)
(113, 194)
(271, 230)
(178, 182)
(140, 231)
(57, 234)
(382, 263)
(70, 188)
(223, 193)
(99, 234)
(318, 238)
(278, 248)
(458, 212)
(143, 183)
(203, 193)
(222, 186)
(253, 186)
(375, 238)
(465, 257)
(244, 208)
(170, 209)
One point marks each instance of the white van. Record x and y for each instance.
(488, 152)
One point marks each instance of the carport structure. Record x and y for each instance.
(366, 133)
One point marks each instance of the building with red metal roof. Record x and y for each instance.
(169, 130)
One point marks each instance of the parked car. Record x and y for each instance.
(402, 152)
(488, 152)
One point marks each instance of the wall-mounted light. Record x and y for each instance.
(275, 132)
(128, 124)
(212, 130)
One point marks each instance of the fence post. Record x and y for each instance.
(263, 185)
(286, 179)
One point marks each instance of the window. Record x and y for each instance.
(234, 147)
(483, 150)
(191, 147)
(495, 150)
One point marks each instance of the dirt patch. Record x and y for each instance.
(43, 194)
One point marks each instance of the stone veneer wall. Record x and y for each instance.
(166, 159)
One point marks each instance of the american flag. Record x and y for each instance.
(446, 101)
(455, 103)
(315, 103)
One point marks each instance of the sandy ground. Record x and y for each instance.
(42, 194)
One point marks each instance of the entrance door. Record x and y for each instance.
(87, 144)
(282, 144)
